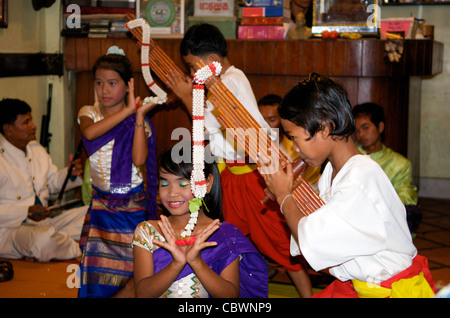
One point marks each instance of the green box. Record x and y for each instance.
(226, 25)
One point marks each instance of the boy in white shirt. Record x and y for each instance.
(360, 235)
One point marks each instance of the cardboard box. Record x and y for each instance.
(227, 25)
(265, 12)
(405, 28)
(261, 32)
(266, 3)
(214, 8)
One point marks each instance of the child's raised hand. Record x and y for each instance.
(180, 85)
(200, 243)
(279, 181)
(169, 234)
(132, 101)
(145, 108)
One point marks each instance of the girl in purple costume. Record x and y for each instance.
(221, 262)
(119, 141)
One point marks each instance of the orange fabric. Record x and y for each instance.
(338, 289)
(242, 195)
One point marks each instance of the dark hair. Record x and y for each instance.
(270, 99)
(374, 112)
(203, 38)
(10, 108)
(316, 102)
(213, 199)
(116, 62)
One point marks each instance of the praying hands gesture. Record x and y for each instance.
(182, 87)
(151, 284)
(185, 254)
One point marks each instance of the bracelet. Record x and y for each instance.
(281, 205)
(139, 125)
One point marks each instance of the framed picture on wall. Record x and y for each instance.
(165, 17)
(3, 13)
(352, 16)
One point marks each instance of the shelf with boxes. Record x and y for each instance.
(264, 19)
(221, 13)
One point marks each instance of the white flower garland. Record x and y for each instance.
(161, 96)
(198, 182)
(191, 224)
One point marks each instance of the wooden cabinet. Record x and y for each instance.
(275, 66)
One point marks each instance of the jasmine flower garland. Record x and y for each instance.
(198, 182)
(161, 96)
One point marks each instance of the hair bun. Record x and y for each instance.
(115, 50)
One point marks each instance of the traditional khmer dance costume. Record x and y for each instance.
(118, 205)
(231, 244)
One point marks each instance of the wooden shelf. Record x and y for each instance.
(275, 66)
(361, 58)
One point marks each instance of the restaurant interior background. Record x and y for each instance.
(31, 31)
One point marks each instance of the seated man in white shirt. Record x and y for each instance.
(27, 177)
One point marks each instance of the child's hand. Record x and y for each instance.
(169, 234)
(278, 181)
(193, 251)
(132, 101)
(180, 85)
(145, 108)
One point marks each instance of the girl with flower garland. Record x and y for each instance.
(119, 141)
(189, 252)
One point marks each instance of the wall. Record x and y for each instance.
(434, 172)
(31, 31)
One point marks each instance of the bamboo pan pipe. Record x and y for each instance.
(236, 119)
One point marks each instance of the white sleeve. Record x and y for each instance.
(348, 225)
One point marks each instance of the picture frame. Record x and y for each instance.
(3, 13)
(346, 16)
(165, 17)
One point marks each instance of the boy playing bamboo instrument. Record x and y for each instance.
(360, 235)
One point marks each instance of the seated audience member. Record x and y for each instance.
(27, 177)
(370, 135)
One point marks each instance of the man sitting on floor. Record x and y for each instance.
(27, 177)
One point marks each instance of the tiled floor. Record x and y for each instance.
(432, 239)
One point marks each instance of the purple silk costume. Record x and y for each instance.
(107, 261)
(120, 186)
(230, 244)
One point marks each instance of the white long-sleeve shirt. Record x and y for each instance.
(361, 232)
(238, 84)
(20, 172)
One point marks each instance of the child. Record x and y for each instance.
(360, 234)
(221, 262)
(242, 186)
(370, 134)
(119, 140)
(268, 106)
